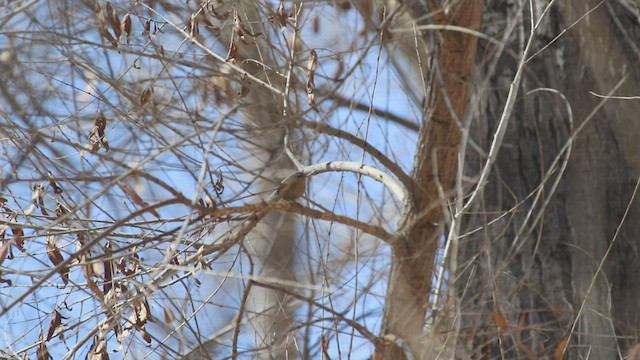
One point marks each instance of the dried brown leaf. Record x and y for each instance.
(218, 186)
(312, 64)
(562, 346)
(168, 315)
(102, 25)
(522, 322)
(241, 30)
(136, 198)
(55, 326)
(145, 336)
(192, 25)
(98, 349)
(125, 26)
(144, 314)
(501, 322)
(112, 17)
(37, 199)
(4, 250)
(18, 235)
(97, 135)
(52, 182)
(147, 29)
(146, 96)
(54, 254)
(281, 17)
(87, 270)
(209, 202)
(61, 211)
(220, 16)
(108, 268)
(42, 353)
(244, 91)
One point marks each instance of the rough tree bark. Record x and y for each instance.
(530, 285)
(529, 281)
(434, 170)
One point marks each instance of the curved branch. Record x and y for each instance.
(367, 170)
(364, 145)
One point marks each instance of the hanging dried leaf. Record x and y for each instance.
(97, 268)
(145, 335)
(192, 25)
(168, 315)
(144, 313)
(220, 16)
(97, 135)
(562, 346)
(87, 270)
(218, 186)
(129, 323)
(98, 349)
(281, 17)
(53, 252)
(37, 199)
(18, 235)
(244, 91)
(146, 96)
(312, 64)
(5, 252)
(209, 25)
(137, 319)
(241, 30)
(209, 202)
(311, 99)
(108, 268)
(518, 337)
(102, 25)
(11, 223)
(133, 196)
(112, 17)
(500, 321)
(55, 327)
(42, 353)
(130, 264)
(147, 29)
(61, 212)
(125, 27)
(52, 182)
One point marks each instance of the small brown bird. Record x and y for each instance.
(292, 187)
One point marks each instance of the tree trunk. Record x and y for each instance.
(533, 284)
(434, 170)
(272, 243)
